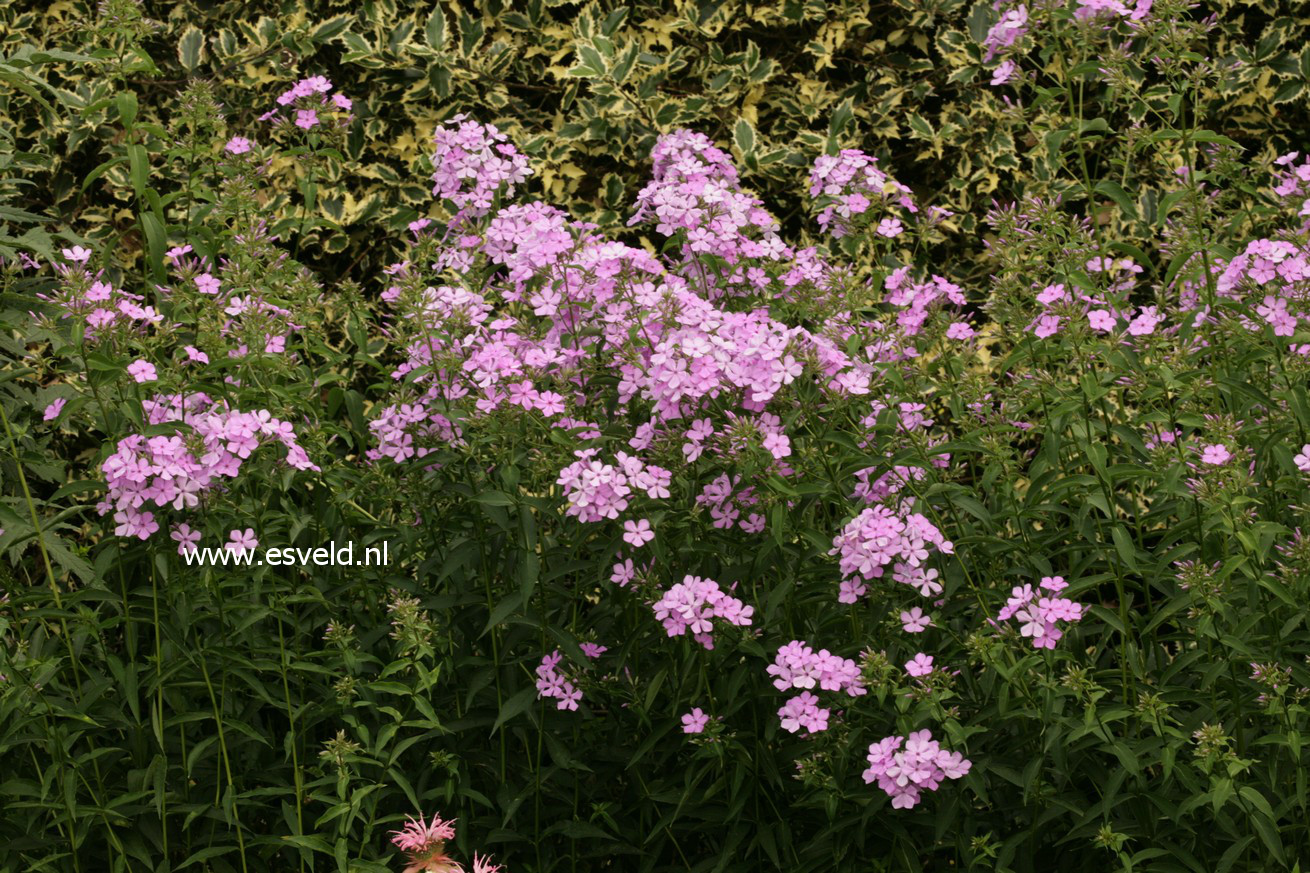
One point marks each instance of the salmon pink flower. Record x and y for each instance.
(425, 844)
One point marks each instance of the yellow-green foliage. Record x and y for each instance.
(584, 89)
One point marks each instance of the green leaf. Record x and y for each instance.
(1115, 192)
(126, 104)
(743, 136)
(435, 30)
(519, 703)
(139, 162)
(191, 48)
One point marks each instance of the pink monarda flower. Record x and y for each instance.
(482, 864)
(425, 844)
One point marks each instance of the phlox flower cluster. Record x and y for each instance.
(727, 503)
(904, 766)
(246, 323)
(881, 535)
(556, 684)
(177, 469)
(103, 311)
(694, 190)
(675, 352)
(1062, 306)
(693, 605)
(473, 161)
(1293, 182)
(1008, 30)
(594, 490)
(1273, 271)
(304, 101)
(797, 665)
(848, 185)
(1005, 37)
(917, 300)
(1039, 615)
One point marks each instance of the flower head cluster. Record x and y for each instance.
(553, 683)
(474, 161)
(727, 503)
(595, 490)
(101, 310)
(694, 603)
(1039, 615)
(694, 190)
(1007, 31)
(905, 766)
(177, 469)
(850, 184)
(879, 536)
(425, 844)
(306, 99)
(797, 665)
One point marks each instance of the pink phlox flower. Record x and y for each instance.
(694, 722)
(919, 665)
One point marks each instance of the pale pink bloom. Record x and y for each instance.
(1216, 454)
(142, 371)
(425, 843)
(694, 722)
(237, 145)
(637, 533)
(77, 254)
(186, 538)
(1101, 319)
(481, 864)
(241, 540)
(1054, 583)
(914, 621)
(890, 227)
(623, 573)
(52, 411)
(1303, 460)
(920, 665)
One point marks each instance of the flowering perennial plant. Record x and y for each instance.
(684, 406)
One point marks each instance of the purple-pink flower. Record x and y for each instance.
(142, 371)
(695, 721)
(914, 621)
(52, 411)
(903, 767)
(240, 540)
(919, 665)
(637, 533)
(1216, 454)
